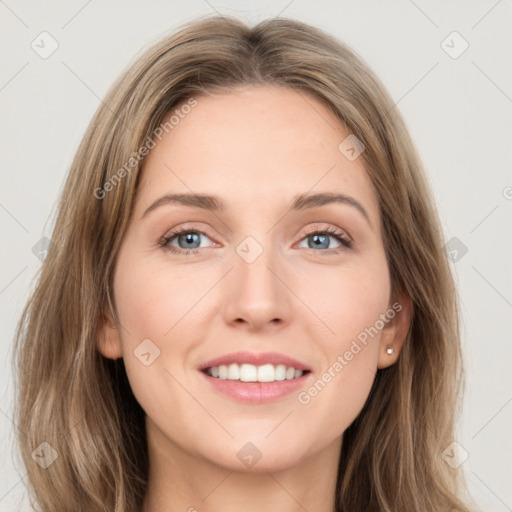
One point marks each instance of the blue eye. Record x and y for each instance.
(189, 241)
(321, 240)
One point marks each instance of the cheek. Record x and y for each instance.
(154, 303)
(153, 298)
(347, 300)
(350, 304)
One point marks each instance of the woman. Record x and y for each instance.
(246, 303)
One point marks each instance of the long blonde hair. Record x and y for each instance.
(81, 404)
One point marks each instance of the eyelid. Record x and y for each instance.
(310, 229)
(316, 227)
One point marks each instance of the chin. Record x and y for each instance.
(259, 455)
(266, 464)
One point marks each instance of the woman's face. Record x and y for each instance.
(252, 286)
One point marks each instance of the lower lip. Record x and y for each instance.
(256, 392)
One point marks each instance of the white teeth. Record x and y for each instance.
(223, 371)
(248, 373)
(280, 373)
(266, 373)
(252, 373)
(233, 372)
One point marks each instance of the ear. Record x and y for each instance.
(108, 340)
(395, 331)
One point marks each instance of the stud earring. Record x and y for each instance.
(389, 351)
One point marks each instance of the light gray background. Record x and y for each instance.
(458, 110)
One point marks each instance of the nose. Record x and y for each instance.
(257, 296)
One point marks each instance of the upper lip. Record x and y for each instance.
(257, 359)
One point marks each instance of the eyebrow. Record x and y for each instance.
(300, 202)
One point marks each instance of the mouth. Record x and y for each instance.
(255, 378)
(252, 373)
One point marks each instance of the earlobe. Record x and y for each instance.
(108, 340)
(395, 331)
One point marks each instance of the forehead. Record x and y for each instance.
(254, 144)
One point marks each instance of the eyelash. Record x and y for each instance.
(338, 235)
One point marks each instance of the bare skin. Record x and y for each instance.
(256, 149)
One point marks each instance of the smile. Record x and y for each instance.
(255, 377)
(252, 373)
